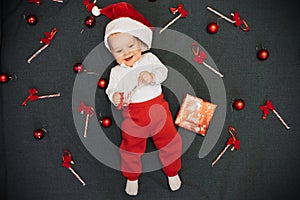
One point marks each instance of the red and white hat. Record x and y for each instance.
(126, 19)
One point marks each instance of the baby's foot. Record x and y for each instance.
(132, 187)
(174, 182)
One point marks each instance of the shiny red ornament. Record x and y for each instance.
(78, 67)
(263, 54)
(31, 19)
(238, 104)
(4, 78)
(39, 133)
(90, 21)
(102, 83)
(212, 27)
(105, 122)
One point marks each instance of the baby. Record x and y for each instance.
(139, 76)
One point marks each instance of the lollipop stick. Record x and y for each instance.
(212, 69)
(37, 53)
(86, 125)
(77, 176)
(49, 96)
(220, 155)
(280, 118)
(170, 23)
(220, 15)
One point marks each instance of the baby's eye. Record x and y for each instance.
(131, 45)
(118, 51)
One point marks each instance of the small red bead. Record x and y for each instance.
(78, 67)
(39, 133)
(238, 104)
(263, 54)
(102, 83)
(4, 78)
(31, 19)
(90, 21)
(212, 27)
(106, 122)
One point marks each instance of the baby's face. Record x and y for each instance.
(125, 48)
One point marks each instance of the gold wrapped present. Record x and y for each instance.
(195, 114)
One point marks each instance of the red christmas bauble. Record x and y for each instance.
(212, 27)
(78, 67)
(102, 83)
(238, 104)
(90, 21)
(105, 122)
(39, 133)
(263, 54)
(4, 78)
(31, 19)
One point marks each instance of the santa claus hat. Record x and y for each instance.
(125, 19)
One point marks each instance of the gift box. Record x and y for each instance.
(195, 114)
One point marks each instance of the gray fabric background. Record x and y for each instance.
(266, 166)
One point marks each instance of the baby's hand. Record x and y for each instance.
(117, 98)
(146, 77)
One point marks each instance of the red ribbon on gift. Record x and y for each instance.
(180, 10)
(49, 36)
(89, 6)
(38, 2)
(268, 106)
(88, 110)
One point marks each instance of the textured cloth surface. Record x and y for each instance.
(265, 167)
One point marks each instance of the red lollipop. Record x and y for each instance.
(31, 19)
(39, 133)
(238, 104)
(212, 27)
(90, 21)
(105, 122)
(263, 54)
(102, 83)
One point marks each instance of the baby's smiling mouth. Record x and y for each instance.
(129, 58)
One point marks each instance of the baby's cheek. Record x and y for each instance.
(119, 60)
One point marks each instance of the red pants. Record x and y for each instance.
(149, 119)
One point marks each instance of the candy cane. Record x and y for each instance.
(37, 53)
(200, 56)
(220, 155)
(230, 141)
(67, 161)
(126, 100)
(281, 119)
(46, 41)
(269, 106)
(33, 96)
(89, 111)
(220, 15)
(49, 96)
(236, 19)
(182, 13)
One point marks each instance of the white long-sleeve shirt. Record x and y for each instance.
(124, 79)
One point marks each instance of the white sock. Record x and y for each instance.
(132, 187)
(174, 182)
